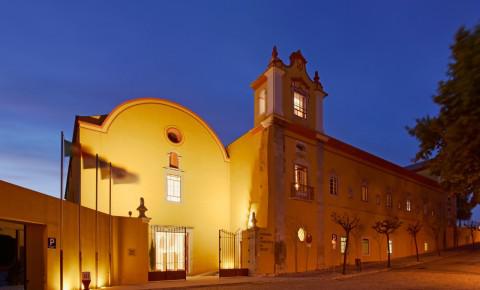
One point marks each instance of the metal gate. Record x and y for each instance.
(168, 253)
(230, 260)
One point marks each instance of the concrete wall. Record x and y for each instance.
(41, 215)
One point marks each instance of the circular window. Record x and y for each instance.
(301, 234)
(174, 135)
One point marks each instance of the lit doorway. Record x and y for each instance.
(170, 255)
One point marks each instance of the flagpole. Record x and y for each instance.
(110, 225)
(61, 207)
(96, 221)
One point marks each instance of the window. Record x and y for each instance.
(262, 99)
(425, 209)
(173, 188)
(399, 206)
(174, 135)
(173, 160)
(425, 247)
(365, 247)
(300, 188)
(408, 205)
(333, 184)
(343, 244)
(389, 200)
(300, 175)
(364, 192)
(390, 246)
(299, 105)
(378, 199)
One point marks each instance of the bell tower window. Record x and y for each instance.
(262, 102)
(299, 105)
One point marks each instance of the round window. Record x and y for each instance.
(174, 135)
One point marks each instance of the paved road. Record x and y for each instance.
(456, 272)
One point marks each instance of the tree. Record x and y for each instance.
(472, 226)
(413, 230)
(387, 227)
(348, 224)
(450, 141)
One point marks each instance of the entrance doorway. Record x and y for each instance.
(169, 253)
(12, 256)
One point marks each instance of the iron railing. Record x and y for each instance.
(301, 191)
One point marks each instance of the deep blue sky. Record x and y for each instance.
(380, 62)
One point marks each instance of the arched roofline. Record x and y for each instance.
(107, 122)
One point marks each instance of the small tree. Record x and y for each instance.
(413, 230)
(387, 227)
(472, 226)
(348, 224)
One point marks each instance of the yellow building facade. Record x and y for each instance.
(278, 184)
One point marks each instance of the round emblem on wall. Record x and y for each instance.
(174, 135)
(301, 234)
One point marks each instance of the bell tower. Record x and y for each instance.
(287, 92)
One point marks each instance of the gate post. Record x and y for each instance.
(252, 250)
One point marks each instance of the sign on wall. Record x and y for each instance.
(52, 243)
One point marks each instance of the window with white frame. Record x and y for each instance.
(389, 202)
(173, 188)
(364, 192)
(300, 175)
(299, 105)
(262, 101)
(333, 184)
(365, 247)
(408, 205)
(343, 244)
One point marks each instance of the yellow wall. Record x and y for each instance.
(134, 137)
(41, 215)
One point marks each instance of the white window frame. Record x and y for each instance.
(361, 246)
(333, 184)
(390, 247)
(299, 105)
(364, 192)
(408, 205)
(262, 102)
(343, 244)
(173, 194)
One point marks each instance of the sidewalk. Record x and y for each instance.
(329, 273)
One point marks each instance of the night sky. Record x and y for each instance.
(380, 62)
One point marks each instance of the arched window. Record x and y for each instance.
(173, 160)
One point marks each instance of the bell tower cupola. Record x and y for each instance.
(287, 92)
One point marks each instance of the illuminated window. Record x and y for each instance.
(365, 247)
(389, 200)
(173, 188)
(299, 105)
(390, 246)
(301, 175)
(364, 192)
(173, 160)
(408, 205)
(425, 247)
(343, 244)
(262, 101)
(333, 184)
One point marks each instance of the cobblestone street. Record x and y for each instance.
(455, 272)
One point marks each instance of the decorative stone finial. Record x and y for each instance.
(141, 209)
(316, 79)
(254, 220)
(130, 213)
(275, 61)
(274, 53)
